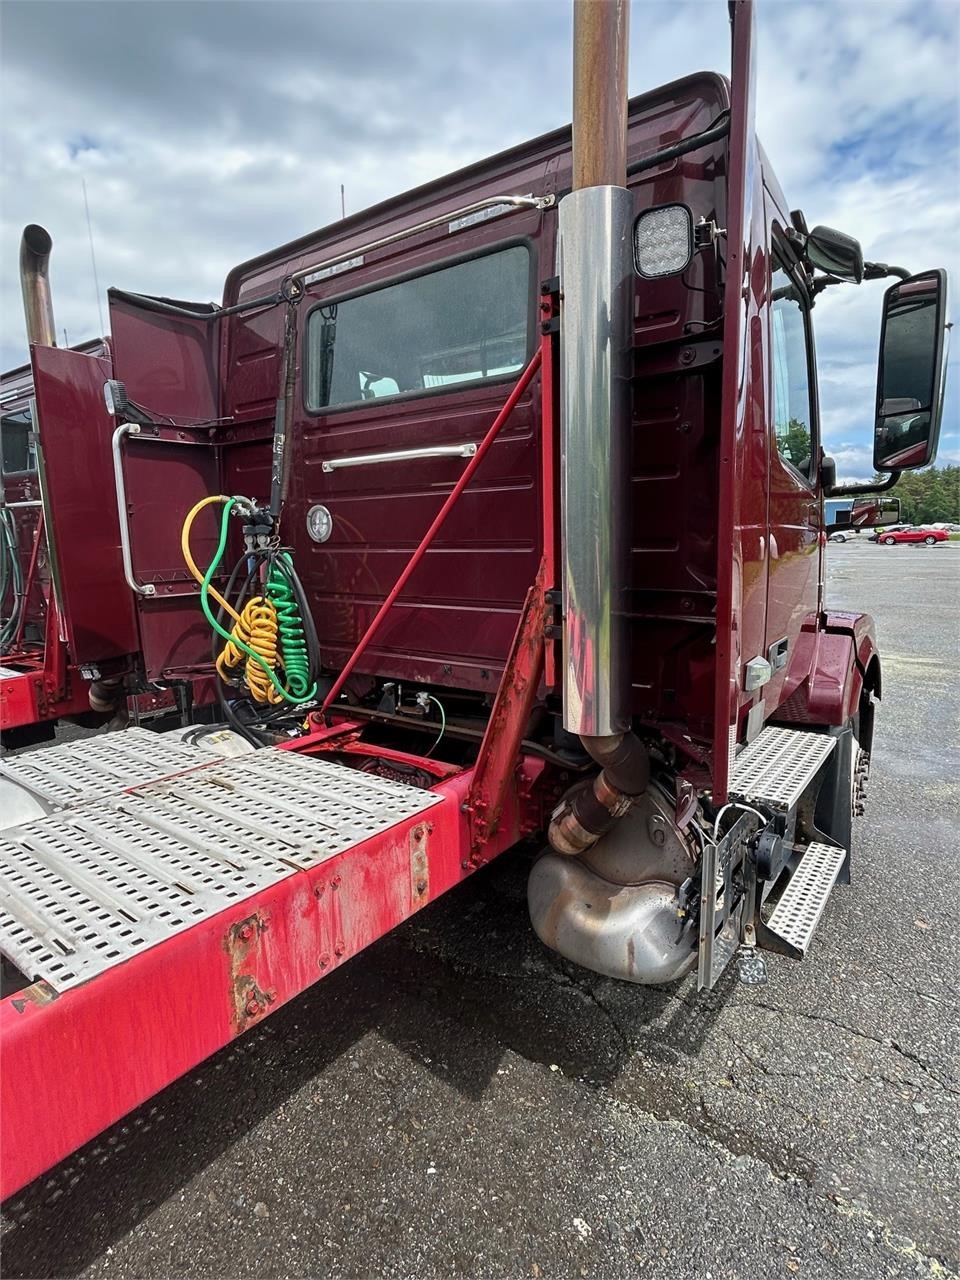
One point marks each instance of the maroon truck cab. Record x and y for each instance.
(520, 475)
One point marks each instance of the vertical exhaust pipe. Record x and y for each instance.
(35, 246)
(596, 331)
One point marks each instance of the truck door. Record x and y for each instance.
(82, 527)
(742, 543)
(406, 364)
(167, 356)
(794, 504)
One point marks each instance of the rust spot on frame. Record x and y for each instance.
(40, 994)
(419, 864)
(249, 1001)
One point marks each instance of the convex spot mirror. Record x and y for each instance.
(836, 253)
(910, 378)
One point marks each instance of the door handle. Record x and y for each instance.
(400, 455)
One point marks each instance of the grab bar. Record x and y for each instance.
(400, 455)
(141, 588)
(458, 219)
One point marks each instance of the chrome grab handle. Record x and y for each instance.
(141, 588)
(457, 219)
(400, 455)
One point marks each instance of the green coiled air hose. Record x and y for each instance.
(293, 640)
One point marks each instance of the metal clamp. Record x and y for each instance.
(141, 588)
(401, 455)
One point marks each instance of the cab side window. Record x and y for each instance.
(464, 322)
(792, 416)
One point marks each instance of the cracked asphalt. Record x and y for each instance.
(458, 1102)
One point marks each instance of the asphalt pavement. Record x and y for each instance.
(458, 1102)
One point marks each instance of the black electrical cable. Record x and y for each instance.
(229, 712)
(718, 129)
(262, 562)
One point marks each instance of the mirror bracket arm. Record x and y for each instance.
(881, 270)
(871, 271)
(855, 490)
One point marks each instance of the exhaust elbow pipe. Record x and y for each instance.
(589, 810)
(35, 246)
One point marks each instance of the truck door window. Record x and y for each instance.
(17, 447)
(791, 381)
(463, 323)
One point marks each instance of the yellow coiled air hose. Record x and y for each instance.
(257, 629)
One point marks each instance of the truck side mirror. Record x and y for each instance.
(836, 253)
(910, 378)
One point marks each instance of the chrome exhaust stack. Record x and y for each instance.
(35, 246)
(596, 331)
(606, 894)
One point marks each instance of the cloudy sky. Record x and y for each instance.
(209, 132)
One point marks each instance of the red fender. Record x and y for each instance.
(834, 660)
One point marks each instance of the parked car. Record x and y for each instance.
(843, 535)
(891, 528)
(911, 533)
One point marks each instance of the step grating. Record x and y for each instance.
(797, 914)
(87, 888)
(778, 765)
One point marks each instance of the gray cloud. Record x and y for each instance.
(209, 132)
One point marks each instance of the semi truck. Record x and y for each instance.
(489, 518)
(60, 558)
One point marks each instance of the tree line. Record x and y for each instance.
(930, 495)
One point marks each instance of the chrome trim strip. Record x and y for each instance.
(517, 202)
(400, 455)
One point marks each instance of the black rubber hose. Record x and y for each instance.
(719, 129)
(229, 714)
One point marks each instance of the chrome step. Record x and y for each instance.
(797, 914)
(778, 765)
(85, 889)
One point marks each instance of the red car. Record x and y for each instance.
(911, 533)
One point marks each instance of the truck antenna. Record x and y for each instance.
(93, 256)
(343, 202)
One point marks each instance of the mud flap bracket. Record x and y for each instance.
(728, 893)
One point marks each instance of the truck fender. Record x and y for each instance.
(843, 665)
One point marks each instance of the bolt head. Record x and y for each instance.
(246, 933)
(253, 1007)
